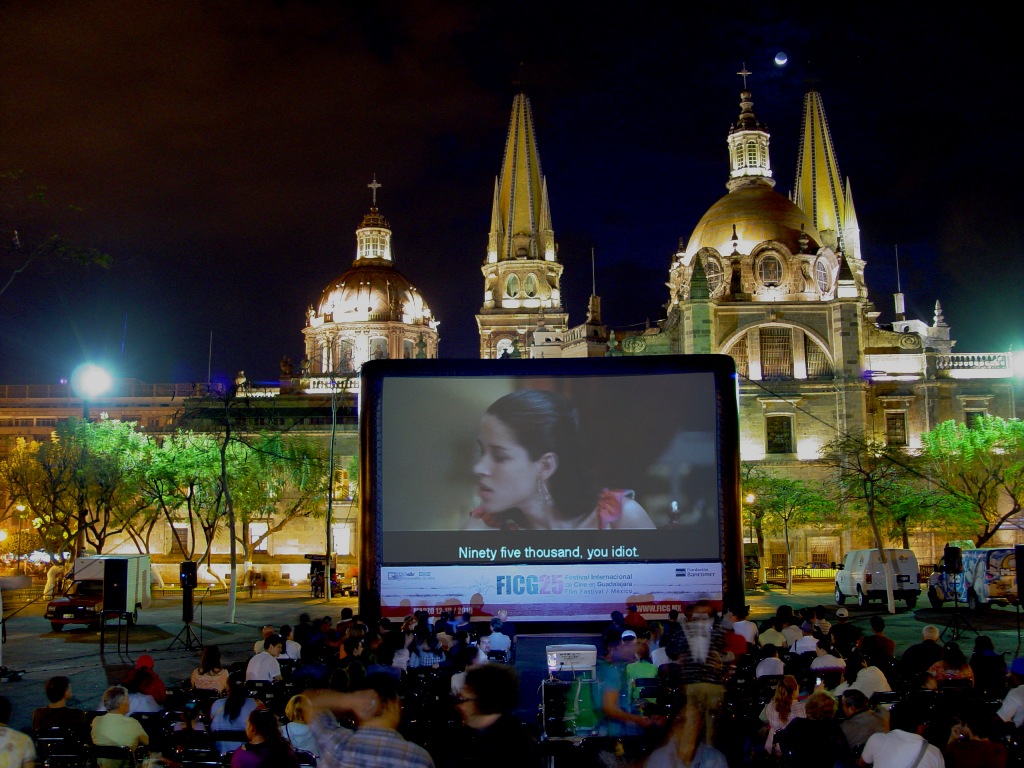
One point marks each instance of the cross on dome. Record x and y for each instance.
(744, 73)
(374, 185)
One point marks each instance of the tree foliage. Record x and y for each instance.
(981, 467)
(109, 479)
(870, 477)
(783, 502)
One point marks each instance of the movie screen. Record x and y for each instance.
(547, 494)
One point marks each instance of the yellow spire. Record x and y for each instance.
(521, 219)
(819, 185)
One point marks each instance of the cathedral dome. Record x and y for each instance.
(758, 213)
(373, 291)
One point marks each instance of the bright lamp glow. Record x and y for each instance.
(90, 381)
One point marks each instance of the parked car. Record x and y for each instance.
(862, 576)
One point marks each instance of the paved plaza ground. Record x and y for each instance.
(32, 646)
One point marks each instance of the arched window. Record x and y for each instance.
(823, 276)
(503, 347)
(512, 285)
(769, 270)
(531, 285)
(751, 154)
(716, 275)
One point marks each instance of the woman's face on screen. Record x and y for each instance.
(506, 476)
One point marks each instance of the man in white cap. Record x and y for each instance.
(843, 634)
(619, 717)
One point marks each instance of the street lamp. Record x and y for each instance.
(89, 381)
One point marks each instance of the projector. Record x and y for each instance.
(571, 657)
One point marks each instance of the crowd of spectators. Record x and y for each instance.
(801, 688)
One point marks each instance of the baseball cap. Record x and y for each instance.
(628, 634)
(842, 613)
(145, 661)
(806, 627)
(1017, 667)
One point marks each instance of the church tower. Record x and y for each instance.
(521, 272)
(819, 189)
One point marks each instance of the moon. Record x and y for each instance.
(781, 59)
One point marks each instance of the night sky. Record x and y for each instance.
(220, 152)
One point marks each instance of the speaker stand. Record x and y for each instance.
(188, 638)
(957, 626)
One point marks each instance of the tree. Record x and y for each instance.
(109, 481)
(870, 476)
(27, 238)
(42, 476)
(982, 467)
(783, 502)
(753, 513)
(277, 479)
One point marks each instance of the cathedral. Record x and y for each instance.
(774, 281)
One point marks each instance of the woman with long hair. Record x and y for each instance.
(267, 747)
(952, 666)
(782, 709)
(532, 470)
(209, 675)
(232, 713)
(299, 711)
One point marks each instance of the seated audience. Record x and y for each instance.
(974, 742)
(264, 665)
(876, 647)
(116, 728)
(742, 626)
(266, 747)
(266, 632)
(232, 713)
(427, 653)
(988, 667)
(784, 707)
(817, 739)
(920, 656)
(491, 735)
(377, 711)
(952, 666)
(499, 640)
(843, 634)
(57, 713)
(869, 680)
(209, 675)
(1012, 709)
(292, 650)
(904, 744)
(16, 748)
(770, 663)
(773, 635)
(297, 731)
(861, 721)
(144, 680)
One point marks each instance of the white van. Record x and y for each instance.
(862, 576)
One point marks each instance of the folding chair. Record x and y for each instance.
(63, 748)
(119, 756)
